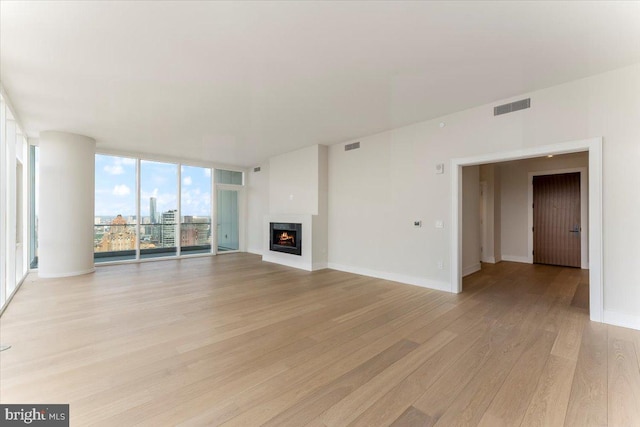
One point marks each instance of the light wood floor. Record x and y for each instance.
(231, 340)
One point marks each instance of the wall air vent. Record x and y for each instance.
(352, 146)
(256, 169)
(512, 106)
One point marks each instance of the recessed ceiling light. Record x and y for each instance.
(550, 156)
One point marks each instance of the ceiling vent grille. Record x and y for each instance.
(352, 146)
(512, 106)
(256, 169)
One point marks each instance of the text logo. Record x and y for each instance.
(34, 415)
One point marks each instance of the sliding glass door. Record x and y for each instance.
(228, 220)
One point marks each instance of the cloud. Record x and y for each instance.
(195, 202)
(121, 190)
(114, 169)
(128, 161)
(187, 180)
(207, 172)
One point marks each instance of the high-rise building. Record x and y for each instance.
(188, 237)
(152, 210)
(201, 225)
(169, 229)
(120, 236)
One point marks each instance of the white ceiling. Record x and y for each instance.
(238, 82)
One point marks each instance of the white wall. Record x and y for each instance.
(515, 206)
(470, 219)
(257, 186)
(377, 191)
(298, 186)
(487, 176)
(293, 182)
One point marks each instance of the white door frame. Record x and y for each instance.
(594, 147)
(483, 224)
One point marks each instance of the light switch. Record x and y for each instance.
(440, 168)
(439, 224)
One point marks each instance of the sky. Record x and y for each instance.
(116, 187)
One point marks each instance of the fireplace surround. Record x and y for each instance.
(285, 237)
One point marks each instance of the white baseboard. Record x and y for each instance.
(319, 266)
(69, 274)
(471, 269)
(516, 258)
(489, 260)
(622, 319)
(410, 280)
(288, 262)
(254, 251)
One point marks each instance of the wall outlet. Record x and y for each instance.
(417, 223)
(440, 265)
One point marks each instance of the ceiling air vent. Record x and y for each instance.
(512, 106)
(352, 146)
(256, 169)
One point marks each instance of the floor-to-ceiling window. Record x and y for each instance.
(115, 222)
(20, 209)
(159, 231)
(13, 203)
(3, 205)
(195, 210)
(151, 209)
(34, 184)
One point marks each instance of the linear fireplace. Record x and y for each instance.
(285, 237)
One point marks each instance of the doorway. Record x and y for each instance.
(556, 219)
(228, 215)
(594, 148)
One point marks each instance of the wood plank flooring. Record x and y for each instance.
(233, 341)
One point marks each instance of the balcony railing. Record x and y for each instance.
(117, 242)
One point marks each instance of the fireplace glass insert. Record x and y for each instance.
(286, 237)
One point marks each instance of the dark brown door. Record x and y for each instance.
(556, 219)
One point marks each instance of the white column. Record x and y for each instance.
(67, 191)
